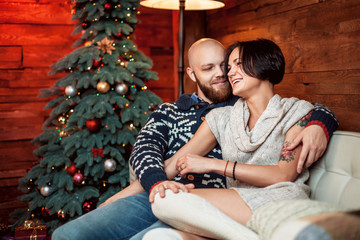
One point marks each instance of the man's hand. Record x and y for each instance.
(174, 186)
(109, 200)
(132, 189)
(314, 143)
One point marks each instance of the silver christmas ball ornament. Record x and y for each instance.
(110, 165)
(70, 91)
(121, 88)
(45, 191)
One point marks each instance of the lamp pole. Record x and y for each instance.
(181, 47)
(191, 5)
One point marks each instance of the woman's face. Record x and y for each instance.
(242, 84)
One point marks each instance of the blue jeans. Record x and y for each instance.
(121, 219)
(158, 224)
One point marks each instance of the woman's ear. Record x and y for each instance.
(190, 72)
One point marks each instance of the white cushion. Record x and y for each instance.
(335, 178)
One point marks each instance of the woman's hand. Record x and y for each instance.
(191, 163)
(162, 186)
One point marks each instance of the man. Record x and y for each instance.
(167, 130)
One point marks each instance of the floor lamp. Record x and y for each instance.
(182, 5)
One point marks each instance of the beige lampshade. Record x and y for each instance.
(189, 4)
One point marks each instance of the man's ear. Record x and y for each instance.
(190, 72)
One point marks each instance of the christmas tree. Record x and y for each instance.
(97, 109)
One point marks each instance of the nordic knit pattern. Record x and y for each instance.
(325, 118)
(260, 146)
(170, 127)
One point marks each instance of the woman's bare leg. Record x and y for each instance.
(228, 201)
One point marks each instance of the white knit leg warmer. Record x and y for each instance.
(162, 234)
(191, 213)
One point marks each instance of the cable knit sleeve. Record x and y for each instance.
(325, 118)
(147, 157)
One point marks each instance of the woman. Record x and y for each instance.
(253, 135)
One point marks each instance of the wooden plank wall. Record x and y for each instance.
(33, 35)
(320, 40)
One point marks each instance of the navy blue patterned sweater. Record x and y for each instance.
(172, 125)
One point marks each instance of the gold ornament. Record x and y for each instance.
(88, 43)
(106, 46)
(103, 87)
(61, 214)
(62, 120)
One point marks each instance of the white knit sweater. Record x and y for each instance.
(260, 146)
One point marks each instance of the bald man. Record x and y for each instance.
(168, 128)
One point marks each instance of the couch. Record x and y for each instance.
(334, 211)
(335, 178)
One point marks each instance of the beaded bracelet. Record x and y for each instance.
(234, 171)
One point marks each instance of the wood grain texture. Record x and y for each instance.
(13, 57)
(37, 56)
(27, 77)
(320, 41)
(35, 12)
(33, 35)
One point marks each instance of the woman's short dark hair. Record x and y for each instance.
(260, 58)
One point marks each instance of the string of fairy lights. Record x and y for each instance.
(107, 45)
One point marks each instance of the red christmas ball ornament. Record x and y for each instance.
(45, 212)
(108, 6)
(71, 170)
(93, 125)
(118, 35)
(85, 24)
(78, 178)
(88, 206)
(96, 63)
(122, 59)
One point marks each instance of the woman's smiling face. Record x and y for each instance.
(242, 84)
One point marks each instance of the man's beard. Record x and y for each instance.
(214, 95)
